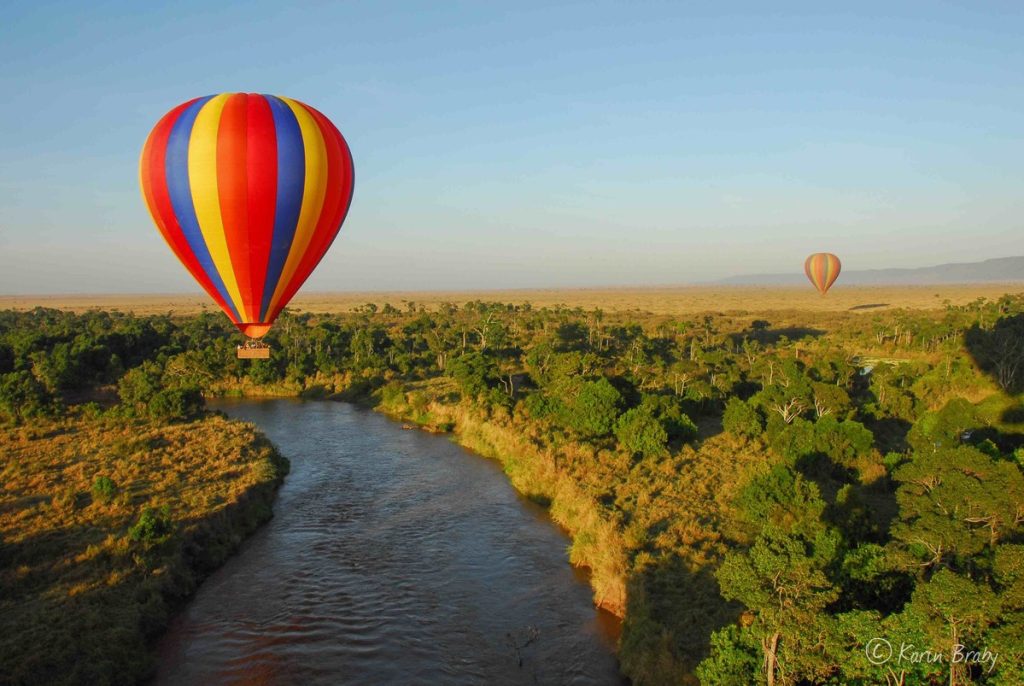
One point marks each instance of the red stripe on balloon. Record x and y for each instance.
(340, 179)
(153, 175)
(233, 191)
(262, 175)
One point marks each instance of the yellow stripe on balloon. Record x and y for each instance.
(202, 178)
(313, 192)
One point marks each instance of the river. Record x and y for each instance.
(394, 557)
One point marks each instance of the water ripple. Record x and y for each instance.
(394, 557)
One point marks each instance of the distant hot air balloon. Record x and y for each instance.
(822, 268)
(249, 192)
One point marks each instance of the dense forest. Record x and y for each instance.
(772, 498)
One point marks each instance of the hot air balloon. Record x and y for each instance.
(822, 268)
(249, 191)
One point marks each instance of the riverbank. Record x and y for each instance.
(106, 525)
(596, 542)
(651, 545)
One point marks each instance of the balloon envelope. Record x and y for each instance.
(249, 192)
(822, 268)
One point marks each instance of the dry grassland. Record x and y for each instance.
(669, 300)
(79, 598)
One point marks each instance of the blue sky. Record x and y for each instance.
(529, 145)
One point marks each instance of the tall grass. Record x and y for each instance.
(107, 523)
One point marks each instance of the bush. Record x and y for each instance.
(177, 404)
(393, 395)
(595, 409)
(472, 372)
(539, 406)
(945, 428)
(154, 526)
(740, 419)
(22, 397)
(640, 433)
(104, 489)
(668, 410)
(138, 386)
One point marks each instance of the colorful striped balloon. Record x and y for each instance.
(822, 268)
(249, 192)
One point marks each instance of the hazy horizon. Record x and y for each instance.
(576, 146)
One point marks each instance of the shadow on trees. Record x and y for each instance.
(673, 608)
(1005, 442)
(828, 474)
(708, 425)
(761, 332)
(890, 434)
(999, 351)
(864, 512)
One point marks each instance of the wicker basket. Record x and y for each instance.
(253, 353)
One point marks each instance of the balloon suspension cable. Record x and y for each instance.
(254, 344)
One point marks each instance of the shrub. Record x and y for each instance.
(640, 433)
(177, 404)
(154, 526)
(740, 419)
(22, 397)
(472, 372)
(393, 395)
(595, 409)
(104, 489)
(945, 428)
(539, 406)
(668, 410)
(138, 386)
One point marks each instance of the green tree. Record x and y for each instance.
(740, 419)
(23, 397)
(954, 504)
(177, 404)
(1007, 637)
(735, 659)
(945, 428)
(782, 579)
(641, 433)
(138, 386)
(472, 371)
(594, 409)
(154, 526)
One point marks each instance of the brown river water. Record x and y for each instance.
(394, 557)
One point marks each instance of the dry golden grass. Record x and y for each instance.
(670, 300)
(78, 596)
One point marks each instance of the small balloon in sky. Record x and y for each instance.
(249, 191)
(822, 268)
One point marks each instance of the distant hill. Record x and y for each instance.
(996, 269)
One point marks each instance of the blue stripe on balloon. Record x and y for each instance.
(180, 190)
(291, 179)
